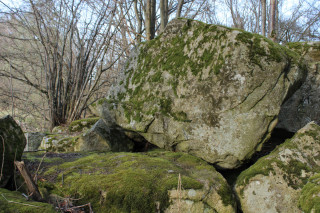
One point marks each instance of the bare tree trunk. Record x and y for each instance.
(179, 8)
(163, 14)
(153, 18)
(32, 187)
(150, 19)
(264, 17)
(12, 97)
(139, 21)
(272, 30)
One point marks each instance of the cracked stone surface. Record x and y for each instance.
(275, 182)
(207, 90)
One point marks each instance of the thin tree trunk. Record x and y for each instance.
(179, 8)
(139, 21)
(163, 14)
(272, 30)
(148, 19)
(264, 17)
(153, 18)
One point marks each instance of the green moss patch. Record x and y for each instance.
(128, 182)
(309, 200)
(12, 202)
(79, 125)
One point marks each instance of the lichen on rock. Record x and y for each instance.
(82, 124)
(275, 181)
(211, 91)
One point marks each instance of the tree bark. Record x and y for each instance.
(139, 21)
(32, 187)
(163, 14)
(264, 17)
(150, 19)
(272, 30)
(179, 8)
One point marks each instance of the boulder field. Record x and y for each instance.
(207, 90)
(208, 97)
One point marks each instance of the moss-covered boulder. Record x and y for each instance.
(208, 90)
(274, 183)
(33, 141)
(13, 202)
(82, 124)
(309, 200)
(59, 129)
(304, 105)
(59, 143)
(12, 143)
(141, 182)
(101, 136)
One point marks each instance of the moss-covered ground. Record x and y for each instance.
(14, 202)
(127, 182)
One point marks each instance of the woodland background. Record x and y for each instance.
(59, 56)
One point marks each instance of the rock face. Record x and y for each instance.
(304, 105)
(274, 183)
(13, 141)
(207, 90)
(144, 182)
(33, 141)
(102, 137)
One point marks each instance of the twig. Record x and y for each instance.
(179, 192)
(14, 174)
(36, 174)
(10, 201)
(2, 157)
(76, 207)
(58, 203)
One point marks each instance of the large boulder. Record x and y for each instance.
(142, 182)
(33, 140)
(12, 143)
(304, 105)
(208, 90)
(275, 182)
